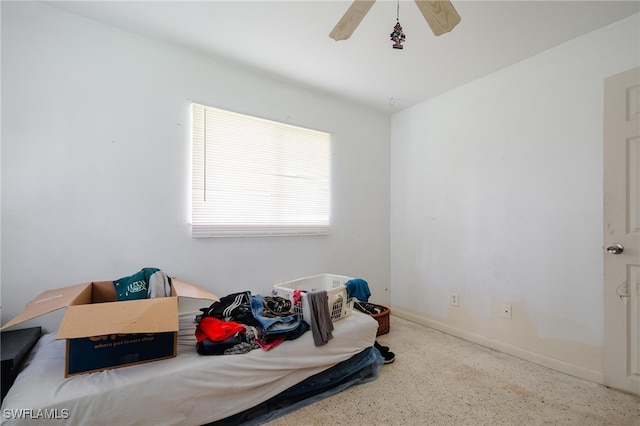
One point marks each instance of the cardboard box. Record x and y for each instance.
(103, 333)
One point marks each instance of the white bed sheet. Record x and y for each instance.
(189, 389)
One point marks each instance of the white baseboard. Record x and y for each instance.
(555, 364)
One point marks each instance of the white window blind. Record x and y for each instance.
(255, 177)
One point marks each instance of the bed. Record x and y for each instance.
(192, 389)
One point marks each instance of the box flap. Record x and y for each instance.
(103, 291)
(83, 298)
(52, 300)
(123, 317)
(184, 289)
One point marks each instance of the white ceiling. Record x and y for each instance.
(289, 39)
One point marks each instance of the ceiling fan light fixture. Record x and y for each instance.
(440, 15)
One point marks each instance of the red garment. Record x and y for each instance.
(268, 346)
(297, 294)
(216, 329)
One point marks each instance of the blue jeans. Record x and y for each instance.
(272, 325)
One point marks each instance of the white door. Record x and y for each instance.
(622, 231)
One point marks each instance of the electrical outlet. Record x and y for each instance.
(506, 310)
(454, 299)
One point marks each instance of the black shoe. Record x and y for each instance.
(383, 349)
(389, 357)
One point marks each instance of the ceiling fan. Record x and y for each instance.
(440, 15)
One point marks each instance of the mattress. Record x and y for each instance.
(361, 368)
(189, 389)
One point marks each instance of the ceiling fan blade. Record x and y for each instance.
(440, 15)
(351, 19)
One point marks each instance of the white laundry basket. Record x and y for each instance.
(340, 306)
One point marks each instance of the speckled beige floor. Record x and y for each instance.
(438, 379)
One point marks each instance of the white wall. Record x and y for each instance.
(496, 194)
(96, 163)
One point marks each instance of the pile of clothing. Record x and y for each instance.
(241, 322)
(368, 308)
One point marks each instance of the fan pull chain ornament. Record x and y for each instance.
(397, 36)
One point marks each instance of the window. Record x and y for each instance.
(254, 177)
